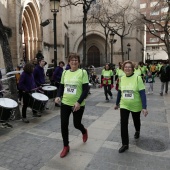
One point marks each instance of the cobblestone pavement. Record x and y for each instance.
(37, 145)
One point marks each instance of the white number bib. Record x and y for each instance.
(149, 80)
(70, 89)
(128, 94)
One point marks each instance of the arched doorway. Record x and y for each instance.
(93, 56)
(31, 31)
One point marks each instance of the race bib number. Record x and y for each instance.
(107, 77)
(128, 94)
(70, 89)
(149, 80)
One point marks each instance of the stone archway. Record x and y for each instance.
(93, 56)
(31, 31)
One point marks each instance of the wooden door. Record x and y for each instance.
(93, 56)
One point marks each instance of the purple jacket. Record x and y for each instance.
(57, 74)
(67, 67)
(27, 82)
(39, 75)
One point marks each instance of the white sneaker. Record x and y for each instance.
(148, 92)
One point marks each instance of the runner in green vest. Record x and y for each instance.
(73, 90)
(131, 98)
(107, 81)
(119, 74)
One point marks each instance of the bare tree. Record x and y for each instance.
(86, 4)
(116, 18)
(157, 21)
(95, 18)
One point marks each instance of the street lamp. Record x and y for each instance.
(142, 50)
(148, 58)
(112, 41)
(129, 49)
(55, 4)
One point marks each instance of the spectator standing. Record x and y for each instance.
(39, 55)
(50, 72)
(164, 77)
(150, 80)
(153, 69)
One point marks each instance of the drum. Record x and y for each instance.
(45, 84)
(50, 91)
(90, 84)
(7, 108)
(37, 101)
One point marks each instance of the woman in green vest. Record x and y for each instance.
(107, 81)
(72, 91)
(131, 98)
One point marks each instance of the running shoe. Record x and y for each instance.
(36, 115)
(6, 125)
(107, 100)
(25, 120)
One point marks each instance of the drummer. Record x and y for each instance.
(26, 84)
(57, 76)
(39, 74)
(58, 73)
(39, 77)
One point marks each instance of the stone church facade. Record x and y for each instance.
(23, 18)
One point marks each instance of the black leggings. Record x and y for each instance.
(107, 90)
(77, 117)
(124, 117)
(26, 97)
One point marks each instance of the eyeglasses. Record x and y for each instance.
(74, 60)
(128, 67)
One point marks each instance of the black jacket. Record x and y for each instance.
(164, 73)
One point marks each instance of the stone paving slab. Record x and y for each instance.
(75, 161)
(110, 159)
(37, 145)
(29, 152)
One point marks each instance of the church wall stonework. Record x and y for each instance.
(69, 23)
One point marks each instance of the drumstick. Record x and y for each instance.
(7, 78)
(35, 88)
(49, 68)
(40, 91)
(2, 90)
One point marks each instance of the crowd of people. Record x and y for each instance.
(72, 85)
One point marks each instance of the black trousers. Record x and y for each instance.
(77, 117)
(107, 90)
(26, 97)
(124, 117)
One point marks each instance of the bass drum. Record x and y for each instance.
(7, 108)
(38, 101)
(50, 91)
